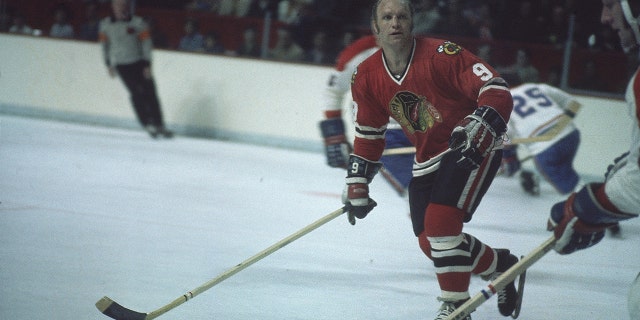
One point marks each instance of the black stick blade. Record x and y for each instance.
(114, 310)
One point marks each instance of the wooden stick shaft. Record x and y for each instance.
(241, 266)
(396, 151)
(502, 281)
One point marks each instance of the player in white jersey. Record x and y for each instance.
(397, 168)
(543, 112)
(579, 222)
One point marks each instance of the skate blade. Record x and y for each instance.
(521, 279)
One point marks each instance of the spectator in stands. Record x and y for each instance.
(260, 8)
(554, 76)
(238, 8)
(453, 23)
(286, 49)
(320, 53)
(89, 27)
(202, 5)
(346, 38)
(590, 79)
(481, 20)
(522, 70)
(226, 7)
(158, 38)
(192, 40)
(484, 52)
(249, 47)
(212, 44)
(525, 24)
(556, 28)
(20, 26)
(242, 8)
(289, 11)
(61, 27)
(606, 40)
(426, 17)
(126, 46)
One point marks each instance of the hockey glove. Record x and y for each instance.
(510, 162)
(336, 147)
(476, 135)
(356, 194)
(580, 221)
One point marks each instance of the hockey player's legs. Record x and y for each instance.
(555, 163)
(455, 255)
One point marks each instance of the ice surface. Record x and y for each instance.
(90, 211)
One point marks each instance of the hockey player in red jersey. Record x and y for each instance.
(454, 108)
(580, 221)
(396, 168)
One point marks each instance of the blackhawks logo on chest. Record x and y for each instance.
(413, 112)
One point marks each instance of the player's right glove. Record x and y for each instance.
(510, 162)
(580, 221)
(336, 147)
(356, 198)
(476, 135)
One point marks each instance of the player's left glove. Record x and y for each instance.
(356, 198)
(580, 221)
(476, 135)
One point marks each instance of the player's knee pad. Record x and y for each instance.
(446, 243)
(451, 253)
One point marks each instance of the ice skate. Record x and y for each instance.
(165, 133)
(448, 307)
(152, 131)
(507, 297)
(530, 182)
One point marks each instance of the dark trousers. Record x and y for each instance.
(142, 92)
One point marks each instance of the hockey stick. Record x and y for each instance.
(116, 311)
(499, 283)
(396, 151)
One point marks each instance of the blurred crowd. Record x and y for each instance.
(540, 21)
(315, 31)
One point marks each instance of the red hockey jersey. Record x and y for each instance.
(442, 84)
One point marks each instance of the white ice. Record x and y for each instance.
(89, 211)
